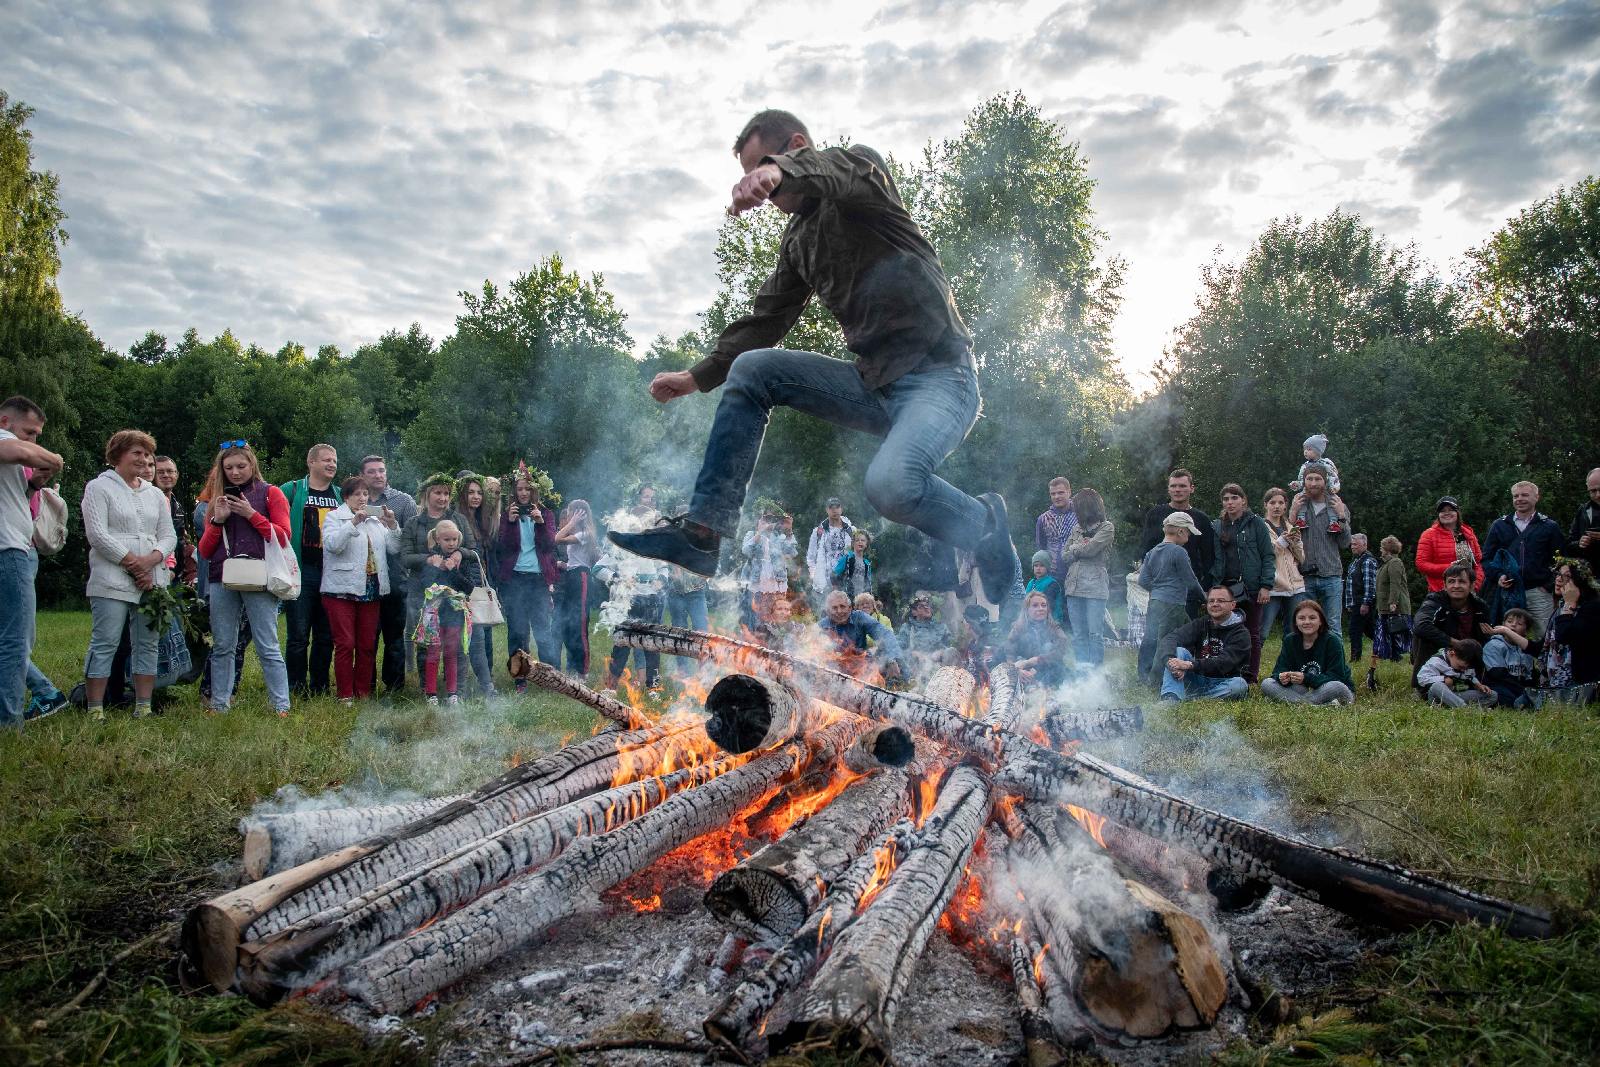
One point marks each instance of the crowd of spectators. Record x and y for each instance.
(1513, 621)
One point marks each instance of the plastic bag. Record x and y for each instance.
(283, 570)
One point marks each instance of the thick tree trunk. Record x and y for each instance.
(308, 951)
(213, 930)
(739, 1021)
(278, 841)
(880, 747)
(1141, 967)
(1005, 697)
(853, 999)
(1370, 890)
(405, 971)
(768, 896)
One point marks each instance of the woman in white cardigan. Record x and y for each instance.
(129, 527)
(355, 573)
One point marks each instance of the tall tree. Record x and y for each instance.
(1536, 283)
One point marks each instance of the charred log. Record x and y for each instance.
(1066, 726)
(854, 997)
(1040, 1046)
(1370, 890)
(768, 896)
(405, 971)
(885, 746)
(278, 841)
(551, 680)
(749, 713)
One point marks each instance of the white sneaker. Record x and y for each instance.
(452, 700)
(433, 702)
(347, 702)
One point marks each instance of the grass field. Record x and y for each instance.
(108, 832)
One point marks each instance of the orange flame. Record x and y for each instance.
(1091, 822)
(1038, 963)
(803, 807)
(883, 866)
(644, 904)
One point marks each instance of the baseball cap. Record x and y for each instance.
(1182, 521)
(1447, 502)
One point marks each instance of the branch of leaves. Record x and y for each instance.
(161, 604)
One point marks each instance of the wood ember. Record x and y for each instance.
(854, 996)
(1370, 890)
(1041, 1047)
(404, 971)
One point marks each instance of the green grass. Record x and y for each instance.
(111, 831)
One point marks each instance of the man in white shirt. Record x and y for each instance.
(21, 423)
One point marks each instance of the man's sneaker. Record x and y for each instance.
(999, 567)
(676, 540)
(43, 708)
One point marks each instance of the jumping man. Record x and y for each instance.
(850, 242)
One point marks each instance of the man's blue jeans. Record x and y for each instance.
(1329, 592)
(1199, 686)
(18, 568)
(308, 648)
(921, 417)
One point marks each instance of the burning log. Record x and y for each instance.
(308, 951)
(213, 930)
(278, 841)
(884, 746)
(951, 688)
(405, 971)
(769, 895)
(551, 680)
(1005, 697)
(737, 1020)
(749, 713)
(852, 1000)
(1139, 966)
(1040, 1046)
(1370, 890)
(1067, 725)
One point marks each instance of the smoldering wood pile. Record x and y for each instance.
(1092, 883)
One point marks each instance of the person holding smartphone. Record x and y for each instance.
(355, 577)
(244, 511)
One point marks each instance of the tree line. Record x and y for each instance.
(1426, 385)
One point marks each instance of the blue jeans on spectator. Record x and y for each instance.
(39, 683)
(111, 618)
(689, 610)
(228, 606)
(1329, 592)
(921, 417)
(1087, 614)
(646, 607)
(1199, 686)
(18, 568)
(525, 599)
(1280, 606)
(308, 644)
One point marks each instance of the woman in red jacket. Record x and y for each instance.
(243, 511)
(1446, 541)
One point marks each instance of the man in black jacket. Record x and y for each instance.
(1453, 612)
(1583, 540)
(1202, 547)
(851, 243)
(1206, 657)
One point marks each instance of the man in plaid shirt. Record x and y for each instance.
(1361, 594)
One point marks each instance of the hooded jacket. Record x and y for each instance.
(1088, 555)
(345, 544)
(1220, 650)
(1253, 543)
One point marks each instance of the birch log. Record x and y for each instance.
(280, 840)
(739, 1021)
(1368, 889)
(1066, 725)
(403, 972)
(306, 952)
(212, 931)
(767, 896)
(854, 997)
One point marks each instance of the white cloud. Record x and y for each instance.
(326, 172)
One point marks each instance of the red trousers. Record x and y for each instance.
(449, 649)
(355, 644)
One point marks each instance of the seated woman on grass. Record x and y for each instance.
(1037, 645)
(1311, 667)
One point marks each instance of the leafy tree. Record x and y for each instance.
(1536, 284)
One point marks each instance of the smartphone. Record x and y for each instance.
(233, 490)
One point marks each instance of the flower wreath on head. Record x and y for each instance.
(1580, 571)
(546, 486)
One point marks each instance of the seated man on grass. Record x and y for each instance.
(1205, 659)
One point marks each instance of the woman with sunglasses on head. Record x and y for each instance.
(243, 511)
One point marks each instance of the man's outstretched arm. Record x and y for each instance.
(776, 309)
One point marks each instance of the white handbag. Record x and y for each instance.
(241, 573)
(50, 527)
(484, 602)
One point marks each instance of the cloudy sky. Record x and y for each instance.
(325, 172)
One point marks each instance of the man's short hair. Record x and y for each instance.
(1059, 480)
(1222, 587)
(123, 441)
(1179, 472)
(365, 460)
(773, 128)
(1234, 489)
(836, 594)
(1459, 569)
(19, 407)
(1518, 485)
(1360, 535)
(1317, 467)
(166, 459)
(318, 449)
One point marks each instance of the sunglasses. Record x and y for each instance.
(241, 443)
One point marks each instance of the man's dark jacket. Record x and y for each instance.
(1534, 549)
(1438, 621)
(854, 246)
(1220, 650)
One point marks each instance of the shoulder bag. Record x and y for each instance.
(241, 573)
(483, 602)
